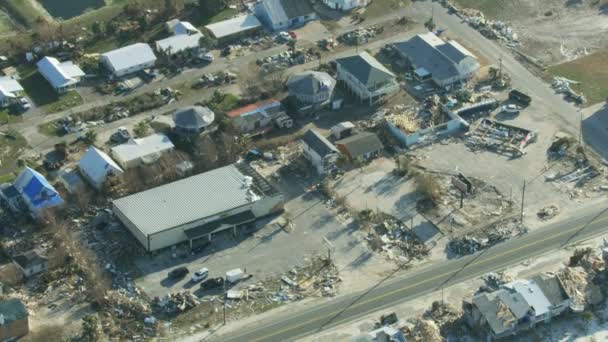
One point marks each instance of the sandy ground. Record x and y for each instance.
(556, 31)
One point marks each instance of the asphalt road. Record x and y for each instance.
(419, 282)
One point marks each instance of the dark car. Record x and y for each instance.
(212, 283)
(178, 273)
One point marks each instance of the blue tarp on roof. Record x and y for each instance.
(40, 193)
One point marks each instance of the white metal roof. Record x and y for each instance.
(179, 42)
(187, 200)
(96, 164)
(129, 56)
(184, 27)
(59, 74)
(8, 87)
(140, 148)
(234, 25)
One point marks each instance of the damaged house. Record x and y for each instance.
(95, 166)
(30, 191)
(321, 153)
(31, 263)
(142, 151)
(517, 306)
(14, 320)
(365, 77)
(194, 208)
(185, 39)
(10, 90)
(431, 58)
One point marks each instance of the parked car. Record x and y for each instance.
(511, 109)
(200, 275)
(212, 283)
(207, 57)
(284, 36)
(120, 136)
(23, 104)
(178, 273)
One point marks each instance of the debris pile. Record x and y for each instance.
(563, 86)
(548, 212)
(176, 303)
(392, 238)
(485, 237)
(490, 28)
(215, 79)
(424, 330)
(493, 281)
(443, 314)
(360, 36)
(284, 60)
(499, 138)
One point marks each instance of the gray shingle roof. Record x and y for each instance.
(193, 117)
(366, 69)
(360, 144)
(310, 83)
(318, 143)
(13, 310)
(297, 8)
(552, 288)
(436, 56)
(501, 309)
(186, 200)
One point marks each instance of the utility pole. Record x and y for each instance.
(225, 298)
(580, 132)
(500, 67)
(523, 194)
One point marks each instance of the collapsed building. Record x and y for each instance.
(197, 207)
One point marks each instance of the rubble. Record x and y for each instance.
(360, 36)
(424, 330)
(563, 86)
(493, 281)
(499, 138)
(395, 240)
(548, 212)
(498, 30)
(284, 60)
(485, 237)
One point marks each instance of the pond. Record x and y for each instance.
(66, 9)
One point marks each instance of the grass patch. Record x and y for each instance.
(229, 102)
(5, 24)
(25, 11)
(383, 7)
(49, 129)
(8, 117)
(11, 149)
(591, 71)
(45, 97)
(223, 15)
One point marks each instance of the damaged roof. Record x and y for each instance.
(311, 83)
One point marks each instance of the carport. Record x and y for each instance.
(208, 229)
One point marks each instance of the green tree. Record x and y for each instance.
(142, 129)
(210, 8)
(90, 329)
(430, 24)
(90, 137)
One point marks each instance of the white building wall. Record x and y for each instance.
(314, 158)
(131, 227)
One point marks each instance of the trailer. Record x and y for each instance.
(518, 96)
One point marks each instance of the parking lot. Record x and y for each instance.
(270, 250)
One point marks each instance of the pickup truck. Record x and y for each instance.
(520, 97)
